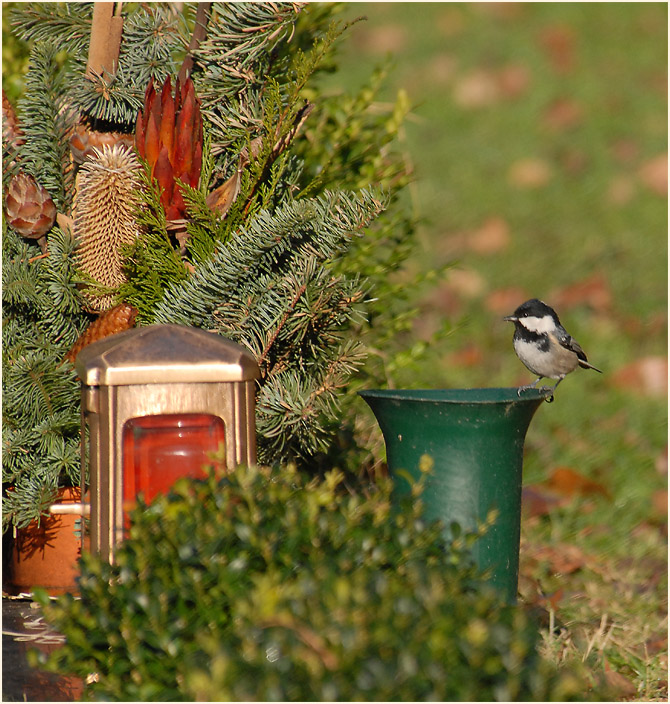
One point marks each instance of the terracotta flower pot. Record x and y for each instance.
(46, 555)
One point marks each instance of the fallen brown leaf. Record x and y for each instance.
(447, 300)
(382, 39)
(593, 291)
(513, 81)
(659, 501)
(573, 160)
(657, 643)
(562, 558)
(654, 175)
(620, 686)
(563, 114)
(537, 500)
(502, 10)
(451, 21)
(530, 173)
(469, 356)
(504, 301)
(558, 42)
(625, 151)
(651, 325)
(476, 89)
(467, 283)
(491, 237)
(647, 376)
(483, 87)
(568, 482)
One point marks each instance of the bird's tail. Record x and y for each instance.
(587, 365)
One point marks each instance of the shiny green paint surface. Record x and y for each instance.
(475, 439)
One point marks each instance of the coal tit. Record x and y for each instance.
(544, 345)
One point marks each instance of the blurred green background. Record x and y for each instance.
(538, 141)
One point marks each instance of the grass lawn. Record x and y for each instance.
(538, 139)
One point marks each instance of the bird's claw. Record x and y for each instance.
(521, 389)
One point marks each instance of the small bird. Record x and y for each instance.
(544, 345)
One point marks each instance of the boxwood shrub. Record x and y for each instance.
(271, 585)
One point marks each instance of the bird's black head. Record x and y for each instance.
(537, 313)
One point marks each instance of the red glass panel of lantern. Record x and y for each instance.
(158, 450)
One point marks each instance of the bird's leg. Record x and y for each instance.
(527, 386)
(550, 399)
(553, 388)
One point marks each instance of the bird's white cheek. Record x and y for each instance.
(539, 325)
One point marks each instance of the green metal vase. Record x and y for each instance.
(475, 440)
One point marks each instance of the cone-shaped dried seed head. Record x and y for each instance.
(28, 207)
(105, 204)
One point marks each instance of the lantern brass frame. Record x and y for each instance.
(156, 370)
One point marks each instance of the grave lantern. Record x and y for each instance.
(157, 401)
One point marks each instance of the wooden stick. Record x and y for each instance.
(106, 29)
(199, 33)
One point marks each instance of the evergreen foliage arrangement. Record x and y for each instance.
(285, 242)
(296, 592)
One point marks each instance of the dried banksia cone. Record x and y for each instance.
(28, 207)
(168, 135)
(83, 141)
(104, 210)
(117, 319)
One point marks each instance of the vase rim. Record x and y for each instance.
(482, 395)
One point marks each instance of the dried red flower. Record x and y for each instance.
(168, 135)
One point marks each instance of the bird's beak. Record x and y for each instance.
(511, 318)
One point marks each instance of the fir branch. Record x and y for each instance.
(60, 314)
(270, 288)
(319, 227)
(45, 123)
(112, 99)
(240, 39)
(65, 24)
(152, 262)
(235, 61)
(151, 44)
(296, 414)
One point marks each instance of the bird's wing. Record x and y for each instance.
(571, 344)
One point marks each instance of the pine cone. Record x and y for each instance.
(83, 142)
(29, 208)
(117, 319)
(104, 218)
(12, 135)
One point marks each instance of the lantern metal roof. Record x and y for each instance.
(161, 354)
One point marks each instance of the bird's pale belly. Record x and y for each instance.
(551, 365)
